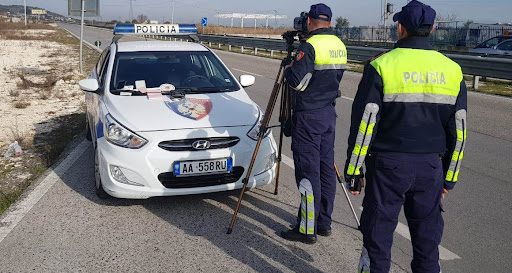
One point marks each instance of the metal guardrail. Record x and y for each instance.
(492, 67)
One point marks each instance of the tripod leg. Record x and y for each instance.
(264, 125)
(346, 196)
(279, 159)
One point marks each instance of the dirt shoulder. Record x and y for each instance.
(41, 105)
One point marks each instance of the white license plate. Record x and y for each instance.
(200, 167)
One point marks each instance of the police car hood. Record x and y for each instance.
(139, 113)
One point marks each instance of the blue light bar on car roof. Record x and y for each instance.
(155, 29)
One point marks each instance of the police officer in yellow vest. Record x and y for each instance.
(409, 128)
(315, 76)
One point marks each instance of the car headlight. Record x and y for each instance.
(255, 130)
(269, 164)
(119, 135)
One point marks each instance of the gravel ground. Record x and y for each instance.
(40, 103)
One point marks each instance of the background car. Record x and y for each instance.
(499, 45)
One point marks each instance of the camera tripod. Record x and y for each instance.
(280, 87)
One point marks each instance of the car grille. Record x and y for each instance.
(186, 144)
(170, 181)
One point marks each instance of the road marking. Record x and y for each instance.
(288, 161)
(401, 229)
(16, 213)
(243, 71)
(347, 98)
(444, 254)
(85, 42)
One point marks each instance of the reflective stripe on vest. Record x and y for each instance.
(416, 75)
(330, 52)
(452, 175)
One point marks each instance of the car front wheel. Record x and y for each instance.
(88, 134)
(100, 192)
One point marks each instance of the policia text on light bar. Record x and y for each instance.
(155, 29)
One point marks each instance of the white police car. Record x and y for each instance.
(168, 118)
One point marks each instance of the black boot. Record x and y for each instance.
(296, 236)
(324, 232)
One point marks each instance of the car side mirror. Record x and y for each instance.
(89, 85)
(247, 80)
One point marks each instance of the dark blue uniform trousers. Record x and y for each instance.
(414, 181)
(313, 134)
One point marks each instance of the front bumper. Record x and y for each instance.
(143, 166)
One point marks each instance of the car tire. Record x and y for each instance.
(100, 192)
(88, 134)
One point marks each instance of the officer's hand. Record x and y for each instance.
(358, 186)
(444, 193)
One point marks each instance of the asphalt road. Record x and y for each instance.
(69, 229)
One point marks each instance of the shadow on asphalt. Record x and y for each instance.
(250, 244)
(253, 241)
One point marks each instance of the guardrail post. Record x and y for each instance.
(242, 49)
(220, 45)
(476, 82)
(271, 53)
(255, 51)
(229, 48)
(209, 44)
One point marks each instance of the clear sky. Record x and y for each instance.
(359, 12)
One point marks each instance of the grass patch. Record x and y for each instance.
(14, 92)
(49, 82)
(52, 144)
(18, 135)
(501, 88)
(14, 31)
(45, 88)
(8, 198)
(21, 104)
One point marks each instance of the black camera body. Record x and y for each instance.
(300, 32)
(300, 23)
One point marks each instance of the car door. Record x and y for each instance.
(505, 48)
(93, 100)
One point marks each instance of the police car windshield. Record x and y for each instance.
(190, 71)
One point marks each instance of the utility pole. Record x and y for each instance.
(131, 10)
(275, 18)
(385, 15)
(82, 9)
(173, 4)
(387, 10)
(25, 4)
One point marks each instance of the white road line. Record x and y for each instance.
(288, 161)
(243, 71)
(85, 42)
(347, 98)
(444, 254)
(16, 213)
(401, 229)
